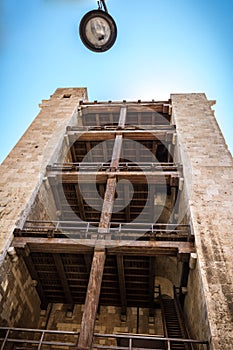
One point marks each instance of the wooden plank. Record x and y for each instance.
(122, 119)
(82, 246)
(65, 285)
(92, 301)
(121, 279)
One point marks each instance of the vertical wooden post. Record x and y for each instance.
(121, 278)
(97, 267)
(92, 301)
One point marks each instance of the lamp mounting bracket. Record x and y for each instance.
(102, 5)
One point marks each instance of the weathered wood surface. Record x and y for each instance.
(137, 135)
(65, 285)
(92, 300)
(121, 278)
(153, 177)
(64, 245)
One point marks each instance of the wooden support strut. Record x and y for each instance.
(106, 213)
(92, 301)
(34, 275)
(152, 285)
(80, 203)
(121, 277)
(61, 272)
(97, 268)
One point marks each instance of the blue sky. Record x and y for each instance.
(163, 47)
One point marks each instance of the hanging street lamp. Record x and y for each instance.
(97, 29)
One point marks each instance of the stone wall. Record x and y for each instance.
(19, 302)
(108, 321)
(208, 174)
(23, 191)
(22, 172)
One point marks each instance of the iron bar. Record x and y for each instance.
(96, 335)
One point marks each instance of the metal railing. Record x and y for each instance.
(117, 231)
(131, 339)
(36, 338)
(122, 166)
(127, 127)
(17, 336)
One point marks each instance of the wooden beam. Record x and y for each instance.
(152, 285)
(122, 118)
(121, 279)
(80, 202)
(85, 246)
(102, 135)
(105, 152)
(106, 212)
(109, 196)
(34, 275)
(65, 285)
(137, 177)
(139, 118)
(184, 279)
(105, 107)
(154, 148)
(53, 181)
(116, 153)
(127, 208)
(97, 118)
(151, 192)
(88, 262)
(54, 245)
(89, 151)
(150, 248)
(102, 190)
(92, 301)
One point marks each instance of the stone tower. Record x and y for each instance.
(116, 227)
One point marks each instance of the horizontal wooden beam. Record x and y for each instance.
(137, 135)
(135, 177)
(114, 107)
(114, 247)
